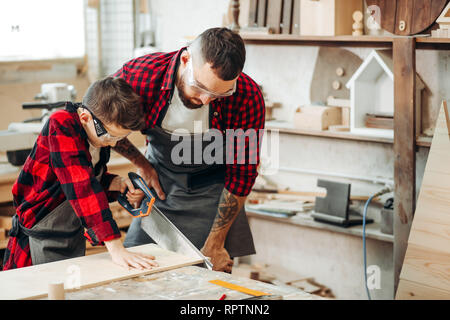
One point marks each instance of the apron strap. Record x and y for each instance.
(18, 229)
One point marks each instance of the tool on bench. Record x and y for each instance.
(257, 295)
(157, 225)
(334, 208)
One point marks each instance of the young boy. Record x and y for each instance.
(64, 187)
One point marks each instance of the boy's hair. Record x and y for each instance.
(113, 101)
(224, 49)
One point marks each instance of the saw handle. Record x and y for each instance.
(138, 183)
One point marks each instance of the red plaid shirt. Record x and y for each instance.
(59, 167)
(153, 76)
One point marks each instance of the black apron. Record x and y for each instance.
(58, 236)
(192, 195)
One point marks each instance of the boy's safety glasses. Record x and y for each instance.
(100, 129)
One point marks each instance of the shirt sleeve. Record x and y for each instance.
(69, 159)
(105, 181)
(244, 140)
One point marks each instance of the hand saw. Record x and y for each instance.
(157, 225)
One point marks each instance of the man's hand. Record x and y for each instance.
(219, 258)
(145, 169)
(149, 174)
(127, 259)
(214, 247)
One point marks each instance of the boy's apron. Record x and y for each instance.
(192, 195)
(59, 235)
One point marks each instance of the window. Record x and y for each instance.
(41, 29)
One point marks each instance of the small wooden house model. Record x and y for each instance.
(372, 93)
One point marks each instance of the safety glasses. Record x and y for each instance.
(100, 129)
(198, 87)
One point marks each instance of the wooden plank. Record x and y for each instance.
(262, 7)
(431, 225)
(286, 23)
(404, 56)
(274, 15)
(421, 15)
(3, 244)
(425, 266)
(5, 222)
(408, 290)
(344, 10)
(317, 117)
(93, 270)
(317, 18)
(447, 115)
(405, 9)
(427, 259)
(295, 17)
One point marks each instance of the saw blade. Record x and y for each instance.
(167, 235)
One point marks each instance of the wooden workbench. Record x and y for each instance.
(97, 277)
(186, 283)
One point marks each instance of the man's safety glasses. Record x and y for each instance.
(100, 129)
(194, 84)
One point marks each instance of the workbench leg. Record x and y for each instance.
(404, 56)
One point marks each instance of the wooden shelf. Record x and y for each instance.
(330, 134)
(421, 141)
(359, 41)
(351, 41)
(305, 220)
(433, 43)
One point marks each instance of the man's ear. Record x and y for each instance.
(184, 58)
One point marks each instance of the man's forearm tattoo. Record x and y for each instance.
(127, 149)
(227, 211)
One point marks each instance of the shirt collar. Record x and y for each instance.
(171, 73)
(72, 109)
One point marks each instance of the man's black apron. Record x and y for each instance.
(192, 195)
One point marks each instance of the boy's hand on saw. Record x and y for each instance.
(134, 196)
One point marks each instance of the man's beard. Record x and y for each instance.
(184, 99)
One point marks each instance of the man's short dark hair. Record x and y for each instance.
(113, 101)
(225, 50)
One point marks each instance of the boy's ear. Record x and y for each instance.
(85, 116)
